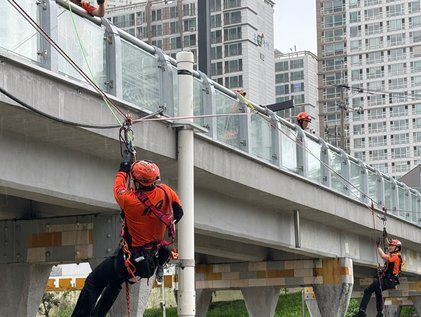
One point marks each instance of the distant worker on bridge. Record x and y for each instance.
(148, 210)
(98, 11)
(388, 279)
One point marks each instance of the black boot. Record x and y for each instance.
(360, 314)
(380, 314)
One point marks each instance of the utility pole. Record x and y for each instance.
(342, 105)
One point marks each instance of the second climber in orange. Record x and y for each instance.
(149, 210)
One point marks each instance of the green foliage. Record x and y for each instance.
(407, 311)
(48, 302)
(353, 308)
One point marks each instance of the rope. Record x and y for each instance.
(29, 19)
(83, 50)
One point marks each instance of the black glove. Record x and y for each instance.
(100, 2)
(178, 212)
(384, 233)
(125, 167)
(163, 255)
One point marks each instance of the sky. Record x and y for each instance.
(295, 25)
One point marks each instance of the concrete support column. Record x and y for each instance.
(313, 308)
(392, 310)
(334, 294)
(22, 286)
(417, 304)
(203, 301)
(139, 295)
(261, 301)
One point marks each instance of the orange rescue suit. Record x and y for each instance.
(143, 226)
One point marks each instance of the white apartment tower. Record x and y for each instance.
(241, 38)
(373, 47)
(296, 79)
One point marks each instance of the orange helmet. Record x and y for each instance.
(303, 116)
(145, 172)
(396, 243)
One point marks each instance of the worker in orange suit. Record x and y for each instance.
(148, 210)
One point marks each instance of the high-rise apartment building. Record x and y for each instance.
(241, 38)
(296, 79)
(373, 47)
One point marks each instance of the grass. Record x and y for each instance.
(289, 305)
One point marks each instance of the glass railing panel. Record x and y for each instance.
(388, 195)
(314, 168)
(372, 186)
(198, 104)
(414, 210)
(261, 138)
(401, 201)
(335, 163)
(228, 127)
(356, 180)
(289, 149)
(16, 34)
(141, 78)
(83, 41)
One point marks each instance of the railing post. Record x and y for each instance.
(245, 126)
(276, 139)
(364, 181)
(49, 22)
(167, 82)
(380, 189)
(408, 203)
(345, 171)
(324, 155)
(394, 194)
(114, 60)
(209, 106)
(302, 162)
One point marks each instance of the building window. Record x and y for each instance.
(400, 152)
(297, 87)
(377, 155)
(414, 6)
(398, 125)
(174, 27)
(281, 66)
(399, 111)
(173, 12)
(175, 43)
(374, 28)
(215, 21)
(232, 34)
(380, 140)
(396, 54)
(190, 40)
(233, 49)
(232, 17)
(298, 63)
(377, 127)
(216, 52)
(281, 78)
(156, 15)
(140, 17)
(282, 90)
(359, 143)
(399, 138)
(377, 113)
(234, 66)
(124, 21)
(234, 81)
(216, 69)
(297, 75)
(228, 4)
(354, 17)
(189, 25)
(189, 9)
(215, 5)
(298, 99)
(156, 30)
(216, 36)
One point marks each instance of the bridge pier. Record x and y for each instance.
(21, 288)
(261, 300)
(416, 300)
(203, 301)
(334, 294)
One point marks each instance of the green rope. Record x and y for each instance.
(84, 53)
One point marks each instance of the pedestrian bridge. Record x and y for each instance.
(266, 192)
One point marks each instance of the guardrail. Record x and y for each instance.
(144, 76)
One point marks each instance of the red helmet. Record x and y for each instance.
(303, 116)
(145, 172)
(396, 243)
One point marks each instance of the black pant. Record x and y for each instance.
(105, 281)
(386, 283)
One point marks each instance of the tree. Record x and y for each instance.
(49, 300)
